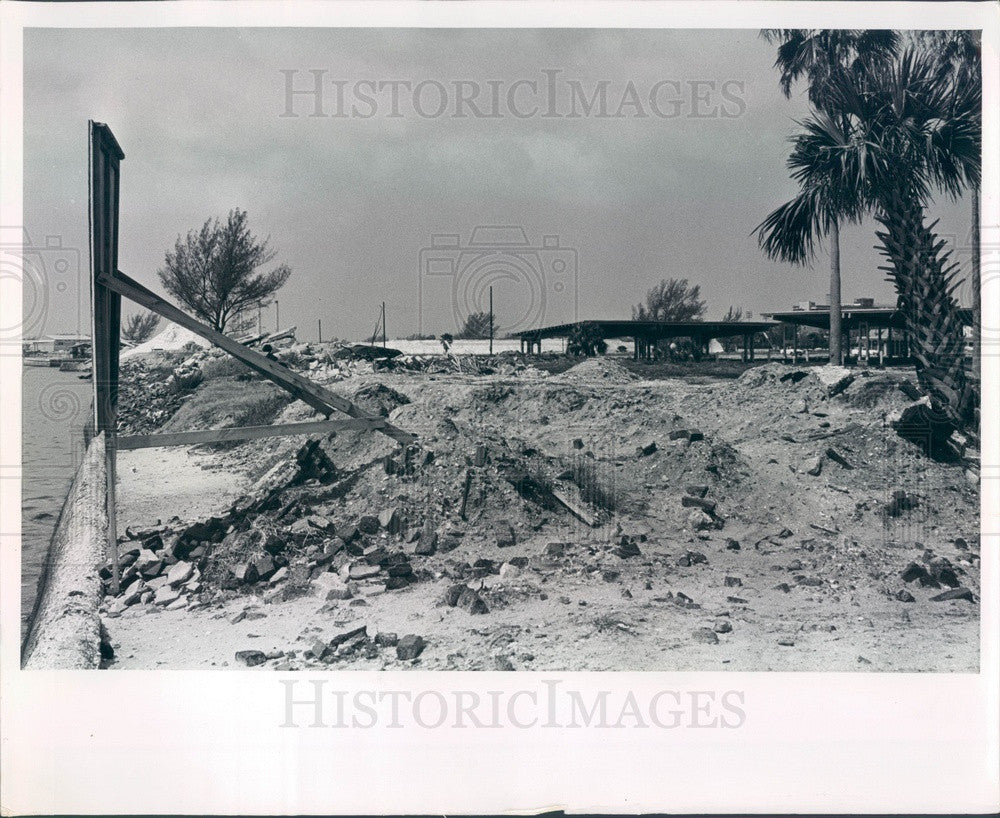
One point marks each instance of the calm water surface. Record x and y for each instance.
(55, 407)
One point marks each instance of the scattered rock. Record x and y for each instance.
(471, 602)
(692, 558)
(690, 501)
(361, 571)
(165, 595)
(698, 520)
(389, 520)
(955, 593)
(410, 647)
(627, 548)
(452, 594)
(245, 573)
(427, 544)
(179, 573)
(367, 525)
(814, 466)
(251, 658)
(705, 635)
(838, 458)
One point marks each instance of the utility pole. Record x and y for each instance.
(319, 329)
(277, 315)
(383, 326)
(491, 319)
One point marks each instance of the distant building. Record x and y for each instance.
(56, 344)
(808, 306)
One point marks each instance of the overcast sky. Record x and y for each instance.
(668, 180)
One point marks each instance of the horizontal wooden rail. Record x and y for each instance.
(315, 427)
(302, 388)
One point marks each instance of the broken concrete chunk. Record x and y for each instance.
(814, 466)
(698, 520)
(955, 593)
(360, 571)
(471, 602)
(690, 501)
(390, 520)
(368, 524)
(410, 647)
(320, 523)
(452, 594)
(245, 573)
(251, 658)
(179, 573)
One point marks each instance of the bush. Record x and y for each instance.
(586, 339)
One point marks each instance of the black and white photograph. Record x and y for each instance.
(540, 346)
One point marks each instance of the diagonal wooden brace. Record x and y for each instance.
(302, 388)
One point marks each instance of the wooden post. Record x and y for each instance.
(384, 339)
(881, 349)
(491, 319)
(319, 329)
(105, 156)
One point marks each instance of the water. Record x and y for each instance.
(55, 407)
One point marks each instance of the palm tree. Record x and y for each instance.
(904, 130)
(959, 53)
(819, 56)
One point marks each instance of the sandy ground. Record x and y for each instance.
(157, 484)
(812, 586)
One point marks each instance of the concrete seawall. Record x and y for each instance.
(65, 629)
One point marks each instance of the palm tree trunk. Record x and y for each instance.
(925, 281)
(836, 334)
(977, 323)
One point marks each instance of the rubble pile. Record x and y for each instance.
(147, 397)
(765, 511)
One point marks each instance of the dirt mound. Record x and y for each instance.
(603, 371)
(884, 390)
(379, 399)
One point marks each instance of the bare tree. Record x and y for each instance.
(140, 327)
(212, 271)
(671, 300)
